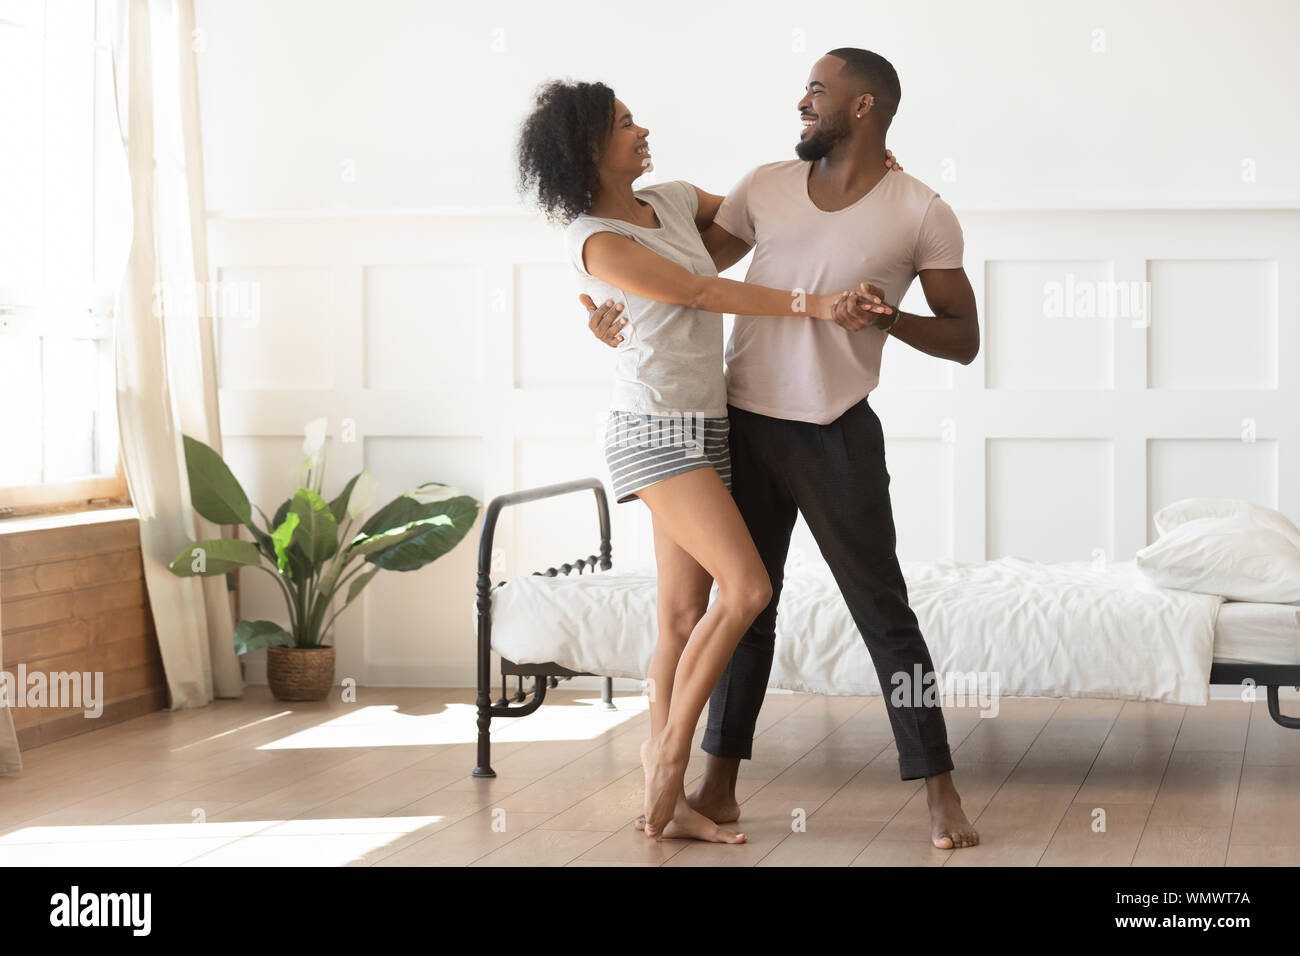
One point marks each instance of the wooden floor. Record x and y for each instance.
(385, 781)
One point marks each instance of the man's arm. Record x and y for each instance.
(707, 206)
(953, 331)
(724, 249)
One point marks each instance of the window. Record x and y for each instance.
(64, 232)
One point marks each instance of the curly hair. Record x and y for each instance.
(558, 145)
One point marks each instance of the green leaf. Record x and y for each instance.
(281, 537)
(250, 635)
(409, 507)
(298, 563)
(359, 582)
(219, 556)
(317, 534)
(363, 545)
(264, 542)
(435, 539)
(399, 512)
(339, 506)
(281, 513)
(214, 491)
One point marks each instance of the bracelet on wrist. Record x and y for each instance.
(897, 315)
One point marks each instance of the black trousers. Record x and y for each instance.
(835, 476)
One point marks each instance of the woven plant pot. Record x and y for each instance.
(300, 673)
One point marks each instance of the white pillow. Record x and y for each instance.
(1189, 509)
(1225, 556)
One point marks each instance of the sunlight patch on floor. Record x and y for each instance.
(233, 730)
(385, 726)
(108, 832)
(242, 843)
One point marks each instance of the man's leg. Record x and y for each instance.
(765, 503)
(845, 501)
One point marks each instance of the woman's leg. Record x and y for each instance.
(683, 588)
(697, 512)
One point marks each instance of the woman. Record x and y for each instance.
(666, 434)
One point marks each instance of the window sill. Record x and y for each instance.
(41, 522)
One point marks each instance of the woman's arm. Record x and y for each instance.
(630, 266)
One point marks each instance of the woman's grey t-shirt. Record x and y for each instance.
(670, 361)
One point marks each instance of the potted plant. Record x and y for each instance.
(308, 547)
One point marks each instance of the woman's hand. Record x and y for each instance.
(891, 162)
(824, 306)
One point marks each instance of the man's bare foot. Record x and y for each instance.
(689, 824)
(949, 828)
(718, 806)
(663, 786)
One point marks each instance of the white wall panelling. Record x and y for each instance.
(456, 345)
(1086, 415)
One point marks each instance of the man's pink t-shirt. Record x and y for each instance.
(805, 369)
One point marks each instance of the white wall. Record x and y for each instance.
(425, 97)
(358, 164)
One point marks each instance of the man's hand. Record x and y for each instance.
(891, 162)
(857, 310)
(605, 322)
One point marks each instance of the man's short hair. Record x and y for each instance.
(876, 74)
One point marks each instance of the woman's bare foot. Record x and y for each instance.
(718, 807)
(949, 828)
(663, 786)
(689, 824)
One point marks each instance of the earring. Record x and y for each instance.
(859, 116)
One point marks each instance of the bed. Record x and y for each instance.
(1004, 628)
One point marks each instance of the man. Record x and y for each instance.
(803, 437)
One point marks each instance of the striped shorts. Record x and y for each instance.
(642, 449)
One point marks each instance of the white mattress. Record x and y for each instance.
(1036, 630)
(1249, 633)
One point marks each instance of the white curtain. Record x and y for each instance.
(10, 761)
(166, 365)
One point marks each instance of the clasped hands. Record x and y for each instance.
(857, 310)
(850, 310)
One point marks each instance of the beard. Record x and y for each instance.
(834, 128)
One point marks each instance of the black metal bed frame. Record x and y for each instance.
(1269, 676)
(543, 675)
